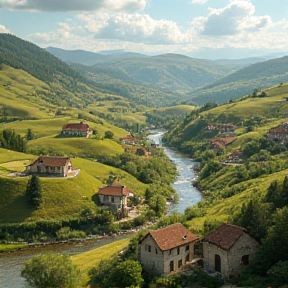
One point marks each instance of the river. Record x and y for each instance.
(11, 264)
(188, 195)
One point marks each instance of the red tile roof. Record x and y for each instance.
(225, 236)
(279, 129)
(51, 161)
(114, 190)
(172, 236)
(82, 127)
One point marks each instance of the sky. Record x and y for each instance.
(211, 29)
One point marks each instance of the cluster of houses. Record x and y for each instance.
(226, 251)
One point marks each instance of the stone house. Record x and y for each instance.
(114, 195)
(279, 133)
(50, 166)
(76, 129)
(226, 128)
(167, 249)
(228, 250)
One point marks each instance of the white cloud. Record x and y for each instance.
(75, 5)
(133, 28)
(237, 16)
(3, 29)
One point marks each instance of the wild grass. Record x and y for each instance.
(11, 247)
(221, 210)
(90, 259)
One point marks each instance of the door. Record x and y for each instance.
(217, 263)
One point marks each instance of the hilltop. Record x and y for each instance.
(252, 78)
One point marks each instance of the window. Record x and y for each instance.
(178, 250)
(105, 198)
(156, 251)
(171, 266)
(187, 248)
(112, 199)
(170, 252)
(187, 258)
(147, 248)
(180, 263)
(245, 260)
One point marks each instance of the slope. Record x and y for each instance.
(252, 78)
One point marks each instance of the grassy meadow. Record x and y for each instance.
(90, 259)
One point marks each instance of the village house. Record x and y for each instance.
(114, 195)
(221, 143)
(226, 128)
(228, 250)
(50, 166)
(76, 129)
(279, 133)
(167, 249)
(128, 139)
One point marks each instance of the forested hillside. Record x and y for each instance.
(251, 78)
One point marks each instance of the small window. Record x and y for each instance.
(180, 263)
(187, 248)
(105, 198)
(149, 248)
(112, 199)
(178, 250)
(171, 266)
(187, 258)
(156, 251)
(245, 260)
(170, 252)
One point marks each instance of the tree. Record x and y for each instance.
(158, 204)
(33, 191)
(51, 270)
(128, 274)
(109, 135)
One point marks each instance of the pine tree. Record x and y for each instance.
(33, 191)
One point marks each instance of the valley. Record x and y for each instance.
(222, 163)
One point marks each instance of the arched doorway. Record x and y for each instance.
(217, 263)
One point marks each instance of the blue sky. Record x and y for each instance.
(209, 29)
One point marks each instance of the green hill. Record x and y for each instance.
(254, 77)
(61, 197)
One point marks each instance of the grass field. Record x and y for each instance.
(77, 146)
(90, 259)
(11, 247)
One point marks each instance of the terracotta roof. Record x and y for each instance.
(83, 127)
(51, 161)
(172, 236)
(114, 190)
(279, 129)
(225, 236)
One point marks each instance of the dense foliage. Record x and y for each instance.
(10, 140)
(51, 270)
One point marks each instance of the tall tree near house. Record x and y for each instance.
(34, 192)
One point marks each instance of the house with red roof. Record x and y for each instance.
(114, 195)
(279, 133)
(167, 249)
(76, 129)
(228, 250)
(50, 166)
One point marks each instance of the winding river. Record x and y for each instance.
(11, 264)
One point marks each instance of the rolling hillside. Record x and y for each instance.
(254, 77)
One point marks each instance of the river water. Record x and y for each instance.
(188, 195)
(12, 264)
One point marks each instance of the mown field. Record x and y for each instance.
(90, 259)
